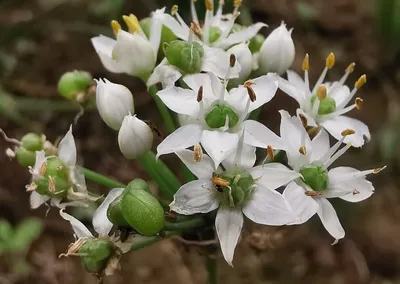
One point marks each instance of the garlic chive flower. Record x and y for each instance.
(312, 160)
(217, 117)
(238, 189)
(57, 179)
(326, 103)
(114, 102)
(132, 52)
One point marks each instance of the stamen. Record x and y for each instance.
(209, 5)
(218, 16)
(232, 60)
(116, 27)
(200, 94)
(303, 119)
(332, 150)
(248, 83)
(303, 150)
(52, 185)
(195, 18)
(355, 191)
(74, 248)
(42, 169)
(236, 4)
(219, 181)
(312, 193)
(195, 29)
(198, 153)
(175, 9)
(358, 102)
(132, 22)
(340, 83)
(330, 61)
(315, 108)
(361, 82)
(321, 92)
(347, 132)
(251, 93)
(239, 150)
(350, 68)
(31, 187)
(339, 112)
(361, 174)
(270, 153)
(306, 66)
(378, 170)
(337, 155)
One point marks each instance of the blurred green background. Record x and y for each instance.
(42, 39)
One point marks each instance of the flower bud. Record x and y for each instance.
(188, 57)
(143, 212)
(114, 102)
(72, 83)
(277, 52)
(315, 176)
(32, 142)
(216, 117)
(256, 43)
(25, 157)
(166, 34)
(135, 137)
(245, 59)
(95, 254)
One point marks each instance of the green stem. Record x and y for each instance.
(165, 114)
(185, 225)
(99, 178)
(160, 173)
(245, 15)
(211, 264)
(149, 241)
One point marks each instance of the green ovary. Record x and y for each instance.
(315, 176)
(326, 105)
(216, 117)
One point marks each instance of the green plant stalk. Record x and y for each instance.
(152, 240)
(211, 265)
(101, 179)
(160, 173)
(185, 225)
(165, 114)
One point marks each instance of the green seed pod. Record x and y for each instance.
(214, 35)
(114, 212)
(56, 167)
(32, 142)
(216, 117)
(95, 254)
(143, 212)
(315, 176)
(166, 34)
(188, 57)
(25, 157)
(256, 43)
(138, 184)
(72, 83)
(52, 186)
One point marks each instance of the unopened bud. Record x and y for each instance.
(25, 158)
(32, 142)
(256, 43)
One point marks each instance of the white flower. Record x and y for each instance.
(218, 189)
(245, 58)
(277, 52)
(114, 102)
(135, 137)
(217, 118)
(77, 194)
(312, 158)
(132, 53)
(325, 104)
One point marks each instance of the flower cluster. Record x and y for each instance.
(215, 76)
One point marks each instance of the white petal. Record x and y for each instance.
(78, 179)
(217, 61)
(210, 83)
(273, 175)
(292, 90)
(104, 47)
(100, 221)
(80, 230)
(40, 158)
(197, 196)
(340, 94)
(180, 139)
(297, 81)
(228, 224)
(156, 25)
(219, 145)
(241, 36)
(164, 73)
(37, 199)
(202, 169)
(67, 149)
(336, 125)
(268, 207)
(310, 119)
(320, 145)
(258, 135)
(329, 218)
(180, 31)
(304, 206)
(182, 101)
(246, 161)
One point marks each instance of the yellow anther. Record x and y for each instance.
(116, 27)
(359, 102)
(209, 5)
(237, 3)
(321, 92)
(270, 153)
(330, 61)
(174, 10)
(251, 93)
(306, 64)
(132, 23)
(198, 153)
(378, 170)
(196, 29)
(347, 132)
(350, 68)
(303, 150)
(361, 81)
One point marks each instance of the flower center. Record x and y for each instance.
(188, 57)
(218, 114)
(315, 176)
(233, 187)
(95, 254)
(327, 105)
